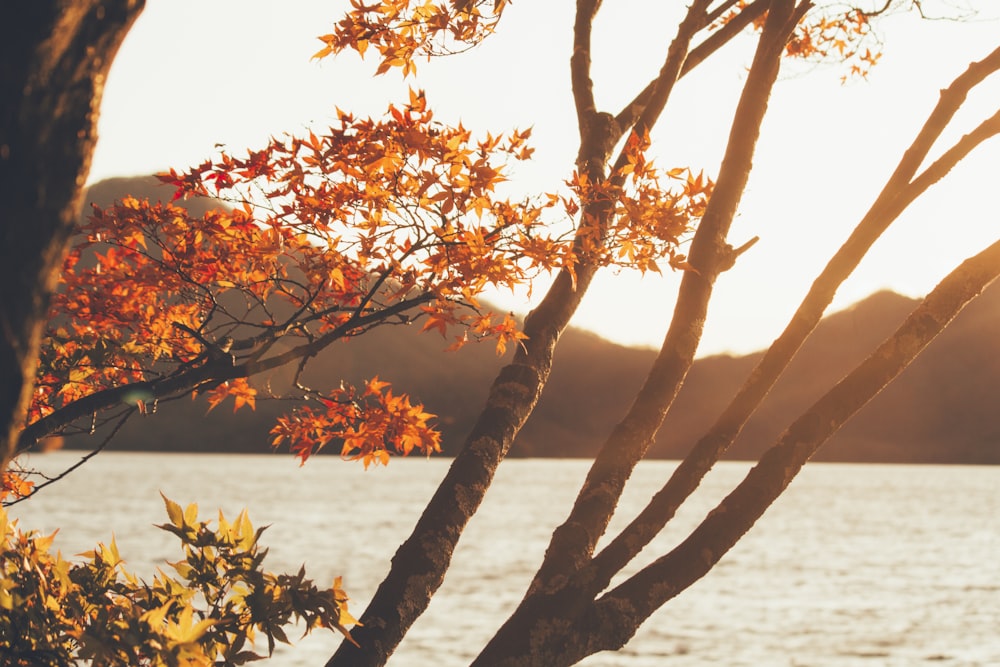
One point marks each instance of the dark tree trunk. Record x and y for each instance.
(54, 58)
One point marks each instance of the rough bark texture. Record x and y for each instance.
(54, 57)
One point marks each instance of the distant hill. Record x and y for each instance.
(943, 409)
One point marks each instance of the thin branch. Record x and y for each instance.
(949, 103)
(724, 34)
(719, 12)
(938, 169)
(217, 369)
(630, 113)
(879, 12)
(642, 112)
(97, 450)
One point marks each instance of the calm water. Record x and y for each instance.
(855, 565)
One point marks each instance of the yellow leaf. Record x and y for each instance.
(191, 514)
(186, 630)
(322, 53)
(155, 617)
(337, 279)
(173, 511)
(80, 374)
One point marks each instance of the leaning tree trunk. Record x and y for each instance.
(421, 562)
(54, 58)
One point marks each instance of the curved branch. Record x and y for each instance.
(642, 113)
(623, 608)
(89, 455)
(217, 368)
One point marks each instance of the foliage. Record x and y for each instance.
(327, 236)
(401, 220)
(837, 32)
(373, 222)
(54, 612)
(362, 420)
(402, 30)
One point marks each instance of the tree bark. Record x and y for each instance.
(54, 59)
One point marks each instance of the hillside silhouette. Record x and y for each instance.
(943, 409)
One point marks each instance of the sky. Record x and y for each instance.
(192, 74)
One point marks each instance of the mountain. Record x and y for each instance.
(942, 409)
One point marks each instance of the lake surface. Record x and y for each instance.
(855, 565)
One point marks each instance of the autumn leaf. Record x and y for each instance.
(239, 388)
(14, 484)
(436, 321)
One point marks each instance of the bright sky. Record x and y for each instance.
(192, 74)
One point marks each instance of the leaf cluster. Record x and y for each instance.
(401, 31)
(368, 423)
(653, 212)
(54, 612)
(830, 32)
(325, 236)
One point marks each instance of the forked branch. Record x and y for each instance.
(891, 202)
(625, 606)
(573, 543)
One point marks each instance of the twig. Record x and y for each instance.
(84, 459)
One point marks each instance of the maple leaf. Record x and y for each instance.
(506, 332)
(436, 320)
(243, 394)
(375, 386)
(239, 389)
(14, 484)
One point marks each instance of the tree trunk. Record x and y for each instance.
(54, 59)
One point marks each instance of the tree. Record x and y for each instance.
(392, 221)
(56, 55)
